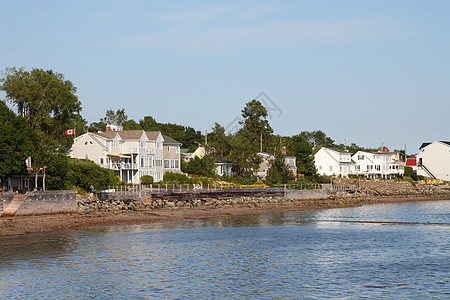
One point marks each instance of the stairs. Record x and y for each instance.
(427, 171)
(14, 205)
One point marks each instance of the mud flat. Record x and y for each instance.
(19, 225)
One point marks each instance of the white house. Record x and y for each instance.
(378, 164)
(130, 153)
(223, 166)
(334, 162)
(267, 159)
(433, 160)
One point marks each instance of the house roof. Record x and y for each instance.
(222, 160)
(426, 144)
(129, 134)
(411, 161)
(169, 140)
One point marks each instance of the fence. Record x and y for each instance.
(144, 192)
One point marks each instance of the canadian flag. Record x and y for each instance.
(70, 131)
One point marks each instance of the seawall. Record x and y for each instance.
(42, 202)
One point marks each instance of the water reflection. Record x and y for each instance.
(321, 254)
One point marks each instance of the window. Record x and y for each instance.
(166, 163)
(101, 160)
(168, 148)
(320, 167)
(142, 161)
(177, 164)
(331, 168)
(149, 161)
(360, 157)
(177, 149)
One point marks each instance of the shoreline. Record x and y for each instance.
(20, 225)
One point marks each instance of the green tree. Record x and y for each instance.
(255, 122)
(149, 124)
(201, 166)
(279, 172)
(44, 98)
(131, 125)
(118, 117)
(16, 143)
(219, 141)
(299, 147)
(317, 139)
(244, 155)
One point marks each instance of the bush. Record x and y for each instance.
(85, 173)
(147, 179)
(178, 178)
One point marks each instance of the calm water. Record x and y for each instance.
(379, 251)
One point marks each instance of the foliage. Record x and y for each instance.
(255, 123)
(147, 179)
(299, 147)
(279, 171)
(175, 177)
(219, 141)
(15, 143)
(408, 171)
(118, 117)
(317, 139)
(244, 155)
(201, 166)
(85, 173)
(45, 98)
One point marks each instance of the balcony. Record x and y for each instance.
(124, 166)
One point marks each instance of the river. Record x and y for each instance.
(375, 251)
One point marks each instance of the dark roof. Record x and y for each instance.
(426, 144)
(222, 160)
(169, 140)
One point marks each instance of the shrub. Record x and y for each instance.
(146, 179)
(175, 178)
(85, 173)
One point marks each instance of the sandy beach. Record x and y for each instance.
(19, 225)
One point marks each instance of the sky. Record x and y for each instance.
(364, 72)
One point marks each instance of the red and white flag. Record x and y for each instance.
(70, 131)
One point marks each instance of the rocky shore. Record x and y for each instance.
(94, 213)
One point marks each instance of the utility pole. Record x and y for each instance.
(405, 154)
(261, 144)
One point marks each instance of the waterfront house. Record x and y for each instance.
(171, 155)
(199, 152)
(382, 164)
(130, 153)
(222, 166)
(266, 162)
(433, 160)
(334, 162)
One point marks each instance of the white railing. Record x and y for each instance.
(123, 166)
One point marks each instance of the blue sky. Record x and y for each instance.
(368, 72)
